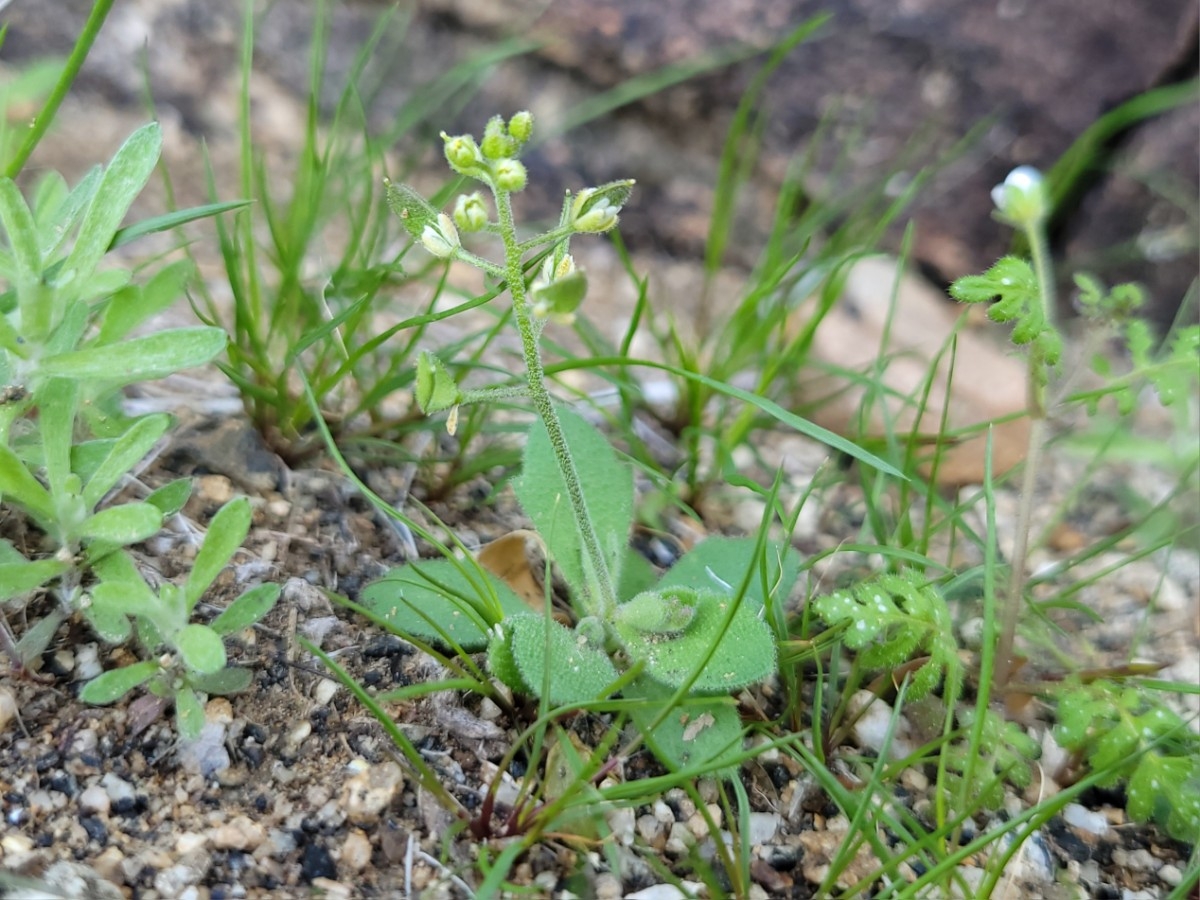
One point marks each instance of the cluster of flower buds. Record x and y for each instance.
(494, 159)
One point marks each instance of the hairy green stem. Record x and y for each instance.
(1005, 661)
(544, 404)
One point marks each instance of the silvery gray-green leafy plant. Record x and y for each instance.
(67, 347)
(681, 644)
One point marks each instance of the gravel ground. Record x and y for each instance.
(294, 790)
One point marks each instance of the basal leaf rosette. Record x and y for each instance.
(726, 640)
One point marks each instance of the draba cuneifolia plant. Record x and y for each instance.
(68, 345)
(678, 645)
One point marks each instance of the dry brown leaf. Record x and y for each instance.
(507, 558)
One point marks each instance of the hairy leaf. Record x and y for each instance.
(695, 733)
(114, 684)
(607, 485)
(738, 645)
(201, 649)
(140, 359)
(122, 525)
(247, 609)
(433, 600)
(226, 533)
(120, 184)
(721, 564)
(189, 713)
(578, 670)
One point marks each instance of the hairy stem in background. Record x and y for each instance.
(602, 605)
(41, 122)
(1040, 252)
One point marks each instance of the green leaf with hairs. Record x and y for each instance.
(201, 649)
(123, 525)
(139, 359)
(722, 564)
(226, 533)
(114, 684)
(578, 670)
(435, 601)
(725, 646)
(698, 732)
(122, 181)
(189, 713)
(247, 609)
(607, 485)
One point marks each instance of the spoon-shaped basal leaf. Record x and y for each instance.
(742, 647)
(607, 486)
(697, 732)
(579, 671)
(434, 601)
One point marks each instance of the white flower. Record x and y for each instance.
(1021, 200)
(442, 239)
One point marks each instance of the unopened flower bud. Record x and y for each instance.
(463, 154)
(496, 142)
(470, 213)
(442, 239)
(1022, 199)
(509, 175)
(520, 126)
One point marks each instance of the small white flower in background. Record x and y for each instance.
(1022, 199)
(442, 239)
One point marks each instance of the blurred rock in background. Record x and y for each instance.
(893, 85)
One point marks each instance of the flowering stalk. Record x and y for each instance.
(1022, 202)
(556, 293)
(605, 595)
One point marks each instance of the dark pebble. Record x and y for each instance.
(129, 806)
(385, 645)
(253, 754)
(95, 829)
(64, 783)
(1067, 841)
(372, 678)
(781, 857)
(46, 762)
(779, 775)
(257, 732)
(261, 802)
(317, 863)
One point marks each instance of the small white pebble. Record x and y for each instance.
(1170, 875)
(94, 800)
(1085, 819)
(324, 691)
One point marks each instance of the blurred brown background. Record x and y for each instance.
(895, 84)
